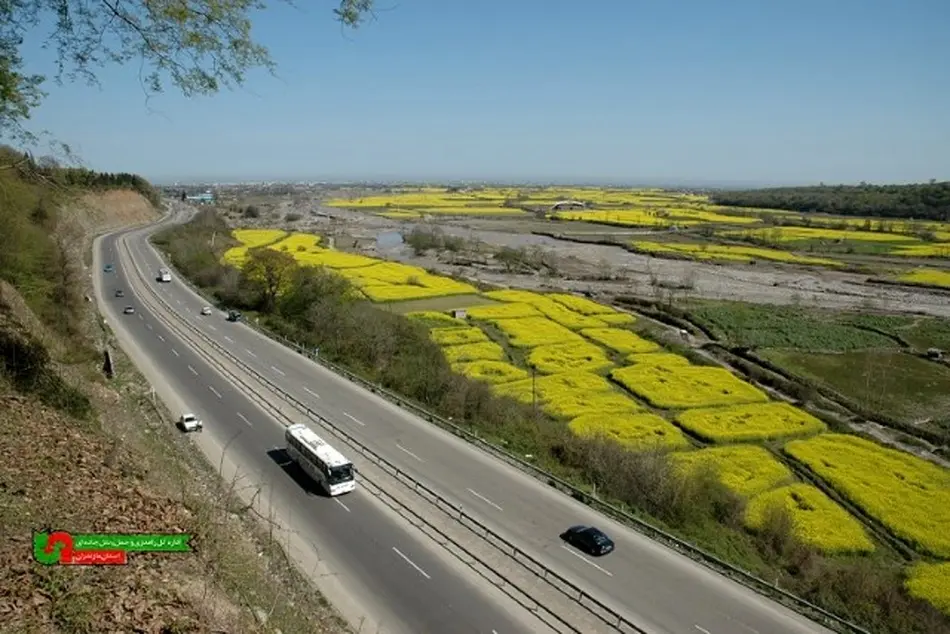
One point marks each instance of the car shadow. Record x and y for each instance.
(283, 460)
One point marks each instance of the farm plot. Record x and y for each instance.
(620, 340)
(583, 305)
(931, 582)
(570, 395)
(492, 372)
(250, 239)
(457, 336)
(927, 277)
(728, 253)
(568, 357)
(535, 331)
(816, 519)
(435, 319)
(502, 311)
(908, 495)
(547, 307)
(743, 423)
(297, 243)
(681, 387)
(484, 351)
(637, 431)
(747, 470)
(805, 234)
(658, 358)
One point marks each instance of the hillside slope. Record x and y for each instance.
(84, 453)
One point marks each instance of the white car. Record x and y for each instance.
(129, 310)
(190, 422)
(206, 310)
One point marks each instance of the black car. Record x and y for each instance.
(234, 315)
(120, 293)
(109, 268)
(589, 539)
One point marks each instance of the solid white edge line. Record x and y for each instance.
(355, 419)
(587, 561)
(411, 563)
(406, 451)
(484, 499)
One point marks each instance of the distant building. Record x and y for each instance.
(207, 198)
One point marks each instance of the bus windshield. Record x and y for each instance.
(337, 475)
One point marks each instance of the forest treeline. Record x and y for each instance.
(48, 171)
(924, 201)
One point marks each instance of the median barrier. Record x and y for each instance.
(581, 598)
(759, 585)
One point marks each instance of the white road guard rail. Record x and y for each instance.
(806, 608)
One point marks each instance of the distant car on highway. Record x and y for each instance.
(109, 268)
(129, 310)
(119, 292)
(206, 311)
(589, 539)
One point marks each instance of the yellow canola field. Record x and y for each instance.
(756, 421)
(729, 253)
(502, 311)
(656, 216)
(816, 519)
(553, 310)
(570, 395)
(250, 239)
(568, 357)
(798, 234)
(746, 470)
(929, 250)
(620, 340)
(450, 336)
(617, 319)
(680, 387)
(928, 277)
(297, 242)
(391, 281)
(535, 331)
(908, 495)
(583, 305)
(482, 351)
(931, 582)
(337, 260)
(493, 372)
(637, 431)
(658, 358)
(432, 317)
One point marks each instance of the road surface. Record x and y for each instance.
(386, 566)
(661, 590)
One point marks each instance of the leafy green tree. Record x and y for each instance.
(269, 272)
(196, 46)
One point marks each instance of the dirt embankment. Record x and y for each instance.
(122, 467)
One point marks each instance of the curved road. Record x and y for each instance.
(382, 563)
(657, 588)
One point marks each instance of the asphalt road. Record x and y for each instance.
(659, 589)
(381, 560)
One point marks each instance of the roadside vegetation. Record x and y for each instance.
(87, 453)
(320, 309)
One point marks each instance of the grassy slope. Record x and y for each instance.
(87, 454)
(385, 349)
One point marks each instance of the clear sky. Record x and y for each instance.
(624, 91)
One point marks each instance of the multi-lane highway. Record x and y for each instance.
(661, 590)
(411, 589)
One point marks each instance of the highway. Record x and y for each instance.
(383, 563)
(659, 589)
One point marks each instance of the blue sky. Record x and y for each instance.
(622, 91)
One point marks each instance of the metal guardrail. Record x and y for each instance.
(567, 588)
(751, 581)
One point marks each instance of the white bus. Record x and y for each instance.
(164, 275)
(320, 461)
